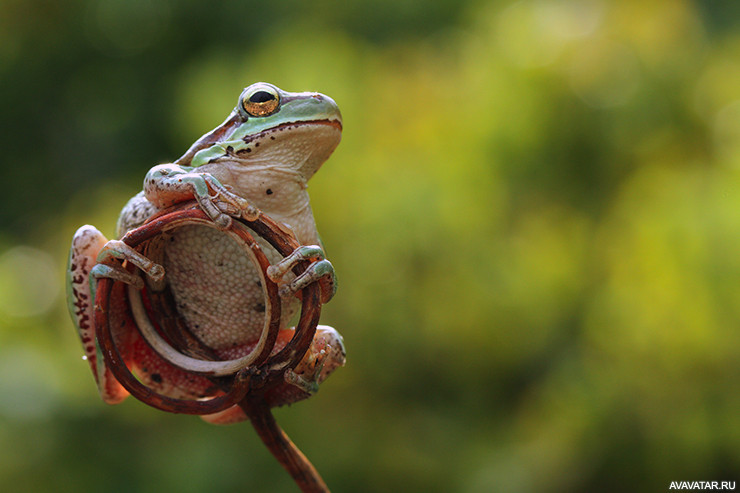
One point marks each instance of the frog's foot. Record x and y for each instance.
(298, 380)
(321, 270)
(226, 204)
(169, 184)
(325, 354)
(116, 249)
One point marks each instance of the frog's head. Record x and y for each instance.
(272, 128)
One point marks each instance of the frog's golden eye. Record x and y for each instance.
(262, 101)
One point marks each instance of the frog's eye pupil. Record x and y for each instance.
(261, 102)
(261, 97)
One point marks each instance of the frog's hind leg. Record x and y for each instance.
(325, 355)
(86, 244)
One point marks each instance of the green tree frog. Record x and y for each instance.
(260, 158)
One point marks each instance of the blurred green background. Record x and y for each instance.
(534, 215)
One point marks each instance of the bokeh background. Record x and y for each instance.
(534, 215)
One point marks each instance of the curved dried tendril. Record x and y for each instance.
(272, 366)
(261, 371)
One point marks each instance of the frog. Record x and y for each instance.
(258, 161)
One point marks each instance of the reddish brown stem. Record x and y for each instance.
(115, 362)
(290, 457)
(268, 370)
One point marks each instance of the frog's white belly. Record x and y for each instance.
(216, 287)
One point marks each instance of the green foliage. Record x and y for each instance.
(534, 216)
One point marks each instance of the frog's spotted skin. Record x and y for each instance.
(134, 213)
(216, 287)
(261, 157)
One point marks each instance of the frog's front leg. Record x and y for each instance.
(321, 270)
(116, 249)
(169, 184)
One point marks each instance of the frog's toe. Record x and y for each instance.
(329, 345)
(117, 273)
(325, 355)
(223, 221)
(119, 250)
(320, 270)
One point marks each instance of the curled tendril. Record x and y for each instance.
(244, 380)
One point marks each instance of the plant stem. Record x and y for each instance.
(290, 457)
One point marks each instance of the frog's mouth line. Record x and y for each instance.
(279, 128)
(229, 126)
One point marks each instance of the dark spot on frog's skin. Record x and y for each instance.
(220, 263)
(272, 137)
(156, 378)
(259, 307)
(256, 144)
(249, 149)
(230, 149)
(268, 191)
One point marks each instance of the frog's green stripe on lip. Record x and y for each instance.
(331, 123)
(210, 138)
(224, 148)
